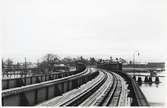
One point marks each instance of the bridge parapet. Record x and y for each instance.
(138, 98)
(18, 82)
(37, 93)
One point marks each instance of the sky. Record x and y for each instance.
(100, 28)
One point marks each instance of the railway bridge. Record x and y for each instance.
(89, 86)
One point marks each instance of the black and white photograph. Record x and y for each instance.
(83, 53)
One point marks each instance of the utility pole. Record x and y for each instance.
(134, 61)
(133, 64)
(38, 67)
(3, 69)
(24, 68)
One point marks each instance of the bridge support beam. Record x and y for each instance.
(139, 80)
(150, 79)
(146, 79)
(157, 80)
(134, 77)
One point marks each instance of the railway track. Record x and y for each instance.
(109, 94)
(71, 98)
(37, 93)
(106, 98)
(97, 96)
(105, 90)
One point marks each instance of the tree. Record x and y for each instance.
(100, 61)
(82, 59)
(92, 60)
(111, 59)
(67, 60)
(121, 60)
(2, 63)
(48, 62)
(51, 58)
(9, 62)
(116, 59)
(18, 65)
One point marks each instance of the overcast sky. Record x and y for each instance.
(32, 28)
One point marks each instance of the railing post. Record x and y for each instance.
(2, 101)
(47, 93)
(7, 83)
(23, 99)
(36, 96)
(31, 80)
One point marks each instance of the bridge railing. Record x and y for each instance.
(36, 93)
(18, 82)
(138, 98)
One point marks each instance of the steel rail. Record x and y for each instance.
(100, 93)
(58, 101)
(138, 97)
(116, 96)
(110, 96)
(107, 98)
(75, 101)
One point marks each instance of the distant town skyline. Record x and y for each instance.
(36, 58)
(84, 28)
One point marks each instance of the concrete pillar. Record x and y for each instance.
(146, 79)
(65, 86)
(19, 82)
(80, 83)
(157, 79)
(47, 93)
(54, 76)
(25, 81)
(69, 85)
(62, 86)
(8, 84)
(57, 91)
(30, 80)
(59, 76)
(50, 77)
(36, 96)
(150, 79)
(41, 78)
(75, 83)
(134, 77)
(139, 80)
(37, 80)
(45, 77)
(85, 79)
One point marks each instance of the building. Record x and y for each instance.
(156, 65)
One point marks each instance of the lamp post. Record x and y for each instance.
(134, 61)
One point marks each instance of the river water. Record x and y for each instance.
(155, 93)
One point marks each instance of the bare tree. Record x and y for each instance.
(51, 57)
(92, 60)
(121, 60)
(9, 62)
(111, 59)
(48, 62)
(67, 60)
